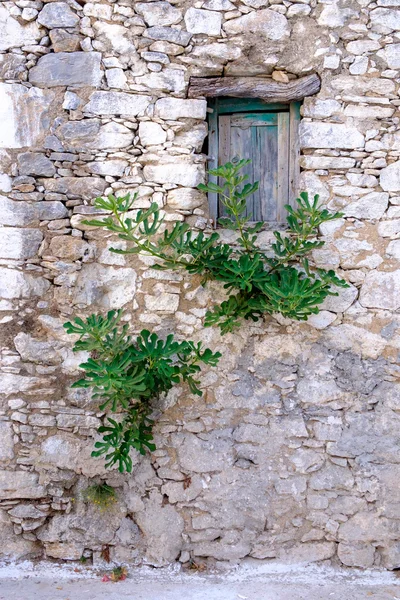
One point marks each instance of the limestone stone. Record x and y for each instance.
(359, 66)
(385, 20)
(370, 206)
(24, 114)
(35, 163)
(358, 340)
(116, 78)
(363, 527)
(15, 35)
(17, 213)
(64, 550)
(391, 55)
(169, 34)
(168, 80)
(111, 135)
(15, 284)
(377, 86)
(7, 441)
(322, 319)
(176, 108)
(266, 22)
(362, 46)
(204, 456)
(79, 69)
(11, 66)
(341, 302)
(185, 198)
(327, 162)
(100, 11)
(203, 21)
(151, 133)
(307, 553)
(63, 41)
(106, 287)
(390, 177)
(51, 210)
(389, 228)
(87, 187)
(163, 302)
(162, 527)
(19, 243)
(183, 173)
(114, 103)
(158, 13)
(320, 109)
(57, 14)
(393, 249)
(5, 183)
(66, 451)
(20, 484)
(37, 351)
(332, 477)
(330, 135)
(381, 290)
(115, 167)
(334, 15)
(89, 134)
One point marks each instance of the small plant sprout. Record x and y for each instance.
(101, 495)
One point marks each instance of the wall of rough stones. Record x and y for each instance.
(293, 451)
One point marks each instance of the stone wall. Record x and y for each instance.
(293, 451)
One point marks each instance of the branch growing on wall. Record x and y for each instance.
(254, 87)
(257, 282)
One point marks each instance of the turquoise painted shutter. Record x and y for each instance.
(268, 138)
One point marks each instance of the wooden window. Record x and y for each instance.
(267, 134)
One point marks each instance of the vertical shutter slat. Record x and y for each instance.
(283, 165)
(224, 144)
(268, 172)
(213, 160)
(294, 152)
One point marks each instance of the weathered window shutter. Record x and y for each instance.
(267, 134)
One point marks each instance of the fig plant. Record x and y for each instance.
(257, 281)
(127, 374)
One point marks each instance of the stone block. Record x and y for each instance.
(15, 284)
(35, 163)
(332, 477)
(183, 173)
(162, 527)
(308, 552)
(106, 287)
(12, 66)
(370, 206)
(85, 187)
(168, 34)
(158, 13)
(203, 21)
(64, 550)
(381, 290)
(330, 135)
(267, 23)
(176, 108)
(80, 69)
(340, 303)
(117, 103)
(115, 167)
(25, 115)
(18, 243)
(7, 441)
(391, 55)
(57, 14)
(20, 484)
(151, 134)
(15, 35)
(164, 302)
(37, 351)
(63, 41)
(390, 177)
(17, 213)
(185, 198)
(385, 20)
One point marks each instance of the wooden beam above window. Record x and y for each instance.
(264, 88)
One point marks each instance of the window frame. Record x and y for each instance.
(230, 105)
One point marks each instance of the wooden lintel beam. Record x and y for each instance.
(264, 88)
